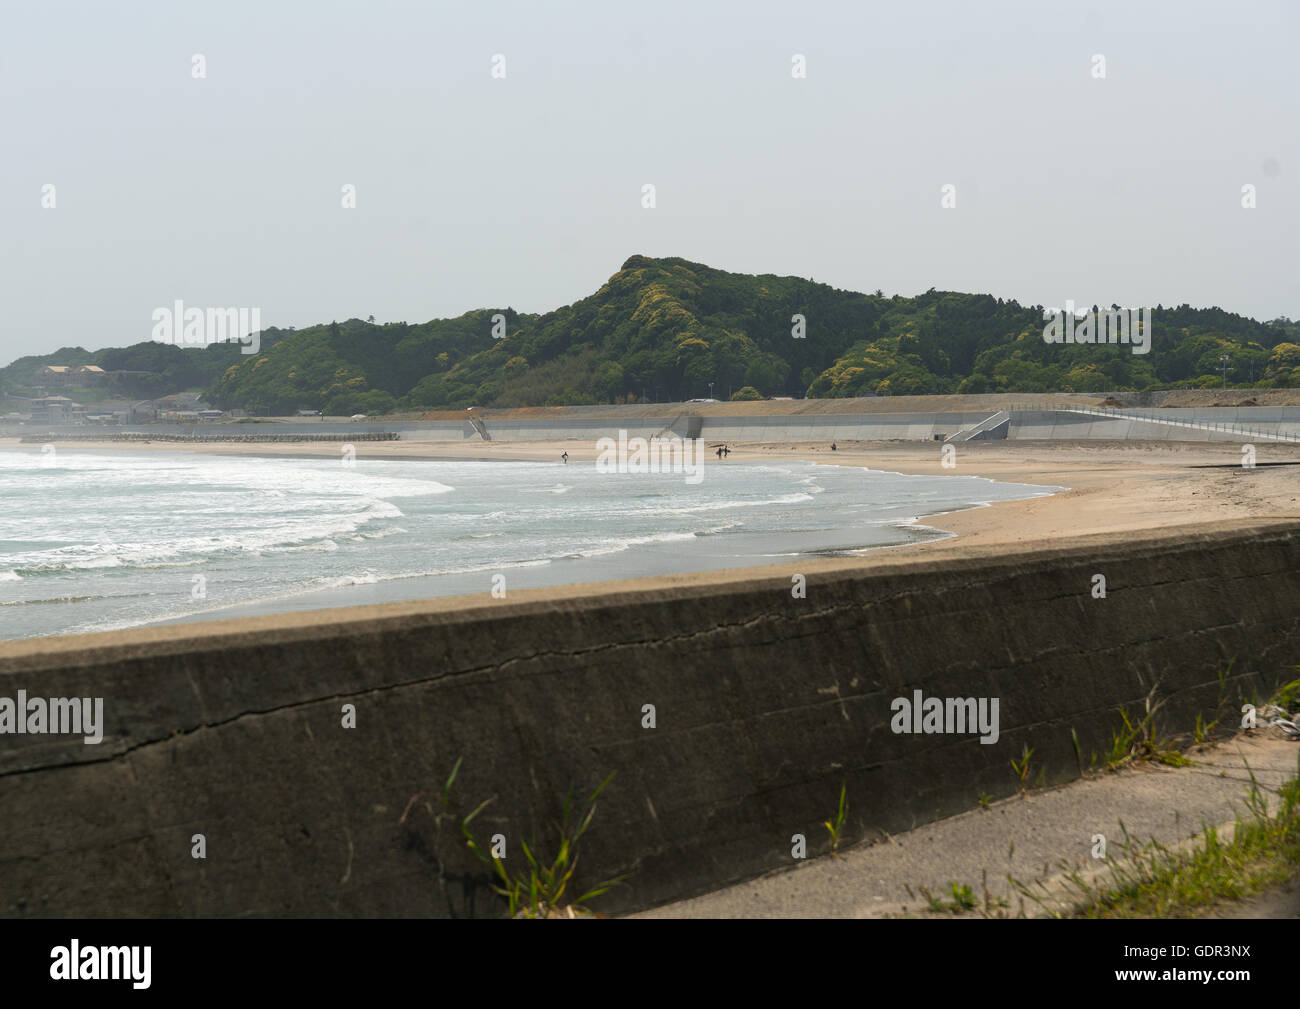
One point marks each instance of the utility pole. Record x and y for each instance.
(1224, 359)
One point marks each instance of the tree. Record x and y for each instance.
(607, 382)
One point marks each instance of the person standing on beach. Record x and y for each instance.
(565, 457)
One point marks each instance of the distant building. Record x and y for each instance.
(68, 376)
(182, 401)
(57, 410)
(180, 408)
(118, 409)
(55, 374)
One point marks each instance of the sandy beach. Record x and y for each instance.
(1113, 486)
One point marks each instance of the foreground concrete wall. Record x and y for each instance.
(764, 703)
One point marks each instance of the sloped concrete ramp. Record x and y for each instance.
(994, 428)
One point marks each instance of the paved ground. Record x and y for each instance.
(1284, 902)
(1033, 838)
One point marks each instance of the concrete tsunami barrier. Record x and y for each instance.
(219, 436)
(1014, 421)
(763, 703)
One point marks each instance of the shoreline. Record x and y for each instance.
(1111, 486)
(1131, 487)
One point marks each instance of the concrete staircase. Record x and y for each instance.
(480, 427)
(992, 428)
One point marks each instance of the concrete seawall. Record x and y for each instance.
(824, 420)
(763, 704)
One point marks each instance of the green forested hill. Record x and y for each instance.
(143, 370)
(664, 329)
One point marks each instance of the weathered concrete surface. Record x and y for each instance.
(764, 703)
(1036, 838)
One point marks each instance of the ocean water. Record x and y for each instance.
(99, 541)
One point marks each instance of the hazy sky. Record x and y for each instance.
(526, 191)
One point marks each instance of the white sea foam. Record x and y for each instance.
(124, 539)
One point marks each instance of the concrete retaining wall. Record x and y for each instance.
(811, 427)
(1062, 425)
(764, 704)
(408, 430)
(1024, 424)
(646, 422)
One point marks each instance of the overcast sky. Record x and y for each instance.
(474, 191)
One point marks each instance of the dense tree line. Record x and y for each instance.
(664, 329)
